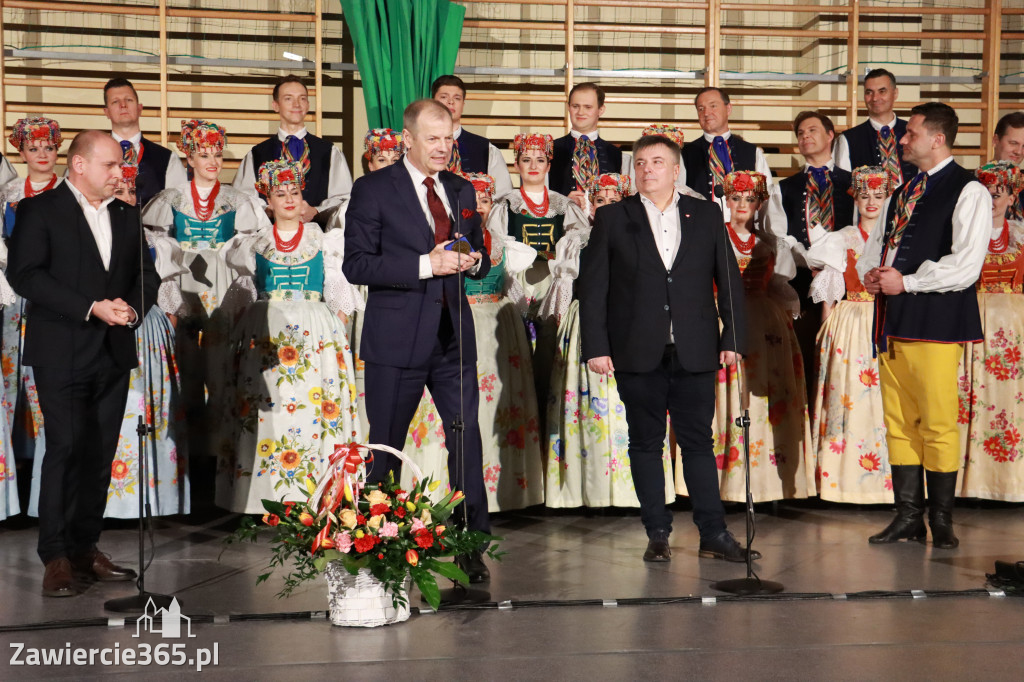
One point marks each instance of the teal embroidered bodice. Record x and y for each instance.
(301, 276)
(492, 284)
(200, 234)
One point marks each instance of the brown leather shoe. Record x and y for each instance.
(57, 580)
(97, 566)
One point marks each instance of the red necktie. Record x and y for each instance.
(442, 223)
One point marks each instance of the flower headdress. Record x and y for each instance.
(35, 129)
(482, 182)
(275, 173)
(1001, 174)
(870, 178)
(615, 181)
(544, 143)
(673, 133)
(197, 134)
(380, 140)
(129, 172)
(745, 181)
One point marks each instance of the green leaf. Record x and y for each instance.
(428, 586)
(450, 570)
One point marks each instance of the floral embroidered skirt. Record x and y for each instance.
(512, 465)
(781, 456)
(294, 399)
(21, 399)
(9, 505)
(848, 428)
(991, 396)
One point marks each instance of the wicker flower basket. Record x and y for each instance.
(361, 600)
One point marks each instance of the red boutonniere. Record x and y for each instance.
(468, 213)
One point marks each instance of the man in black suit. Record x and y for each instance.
(80, 265)
(648, 313)
(398, 223)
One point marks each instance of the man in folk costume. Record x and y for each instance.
(816, 201)
(471, 153)
(1008, 145)
(326, 172)
(878, 140)
(582, 155)
(716, 153)
(159, 167)
(921, 263)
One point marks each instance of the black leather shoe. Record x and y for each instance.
(473, 565)
(57, 580)
(657, 548)
(95, 565)
(908, 489)
(724, 546)
(941, 493)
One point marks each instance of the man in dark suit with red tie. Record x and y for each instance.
(648, 313)
(80, 264)
(398, 224)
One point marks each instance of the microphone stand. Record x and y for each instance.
(751, 584)
(138, 603)
(459, 593)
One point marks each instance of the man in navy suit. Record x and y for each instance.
(418, 330)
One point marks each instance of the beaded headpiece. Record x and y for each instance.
(870, 178)
(197, 134)
(39, 128)
(482, 182)
(673, 133)
(380, 140)
(615, 181)
(129, 172)
(544, 143)
(1001, 174)
(275, 173)
(746, 181)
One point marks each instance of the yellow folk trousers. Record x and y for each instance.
(919, 398)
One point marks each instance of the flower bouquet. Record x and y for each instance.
(392, 534)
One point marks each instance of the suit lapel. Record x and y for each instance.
(84, 233)
(118, 225)
(684, 237)
(640, 226)
(407, 196)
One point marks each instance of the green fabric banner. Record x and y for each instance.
(401, 46)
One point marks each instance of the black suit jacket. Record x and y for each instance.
(386, 232)
(628, 299)
(55, 265)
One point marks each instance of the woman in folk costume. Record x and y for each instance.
(512, 461)
(557, 229)
(197, 218)
(382, 147)
(587, 441)
(992, 373)
(37, 140)
(294, 396)
(848, 431)
(781, 456)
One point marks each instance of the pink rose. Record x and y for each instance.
(389, 529)
(343, 542)
(417, 524)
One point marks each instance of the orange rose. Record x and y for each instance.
(118, 470)
(329, 409)
(288, 355)
(290, 459)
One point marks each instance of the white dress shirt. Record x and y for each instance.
(775, 214)
(339, 177)
(841, 153)
(667, 234)
(496, 168)
(972, 225)
(174, 175)
(426, 271)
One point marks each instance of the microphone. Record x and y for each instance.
(719, 192)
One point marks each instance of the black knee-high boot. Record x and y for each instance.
(908, 489)
(941, 493)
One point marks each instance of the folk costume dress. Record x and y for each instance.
(848, 430)
(9, 504)
(294, 396)
(509, 425)
(781, 454)
(992, 378)
(207, 283)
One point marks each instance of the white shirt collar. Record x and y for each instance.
(652, 206)
(83, 202)
(711, 138)
(941, 164)
(458, 131)
(878, 126)
(831, 165)
(282, 135)
(417, 176)
(592, 135)
(134, 139)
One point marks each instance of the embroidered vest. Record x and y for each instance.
(609, 160)
(695, 160)
(318, 176)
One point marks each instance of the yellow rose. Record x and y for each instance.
(425, 517)
(377, 497)
(347, 518)
(375, 521)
